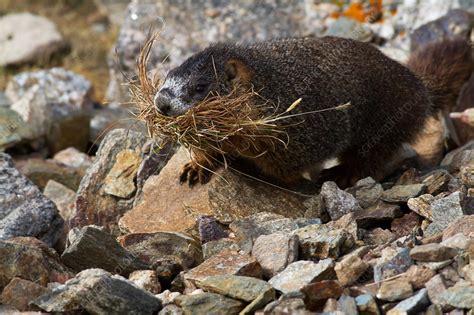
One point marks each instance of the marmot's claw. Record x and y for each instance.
(193, 174)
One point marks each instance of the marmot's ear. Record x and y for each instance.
(237, 72)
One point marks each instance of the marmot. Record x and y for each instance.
(389, 102)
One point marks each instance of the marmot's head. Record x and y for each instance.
(209, 72)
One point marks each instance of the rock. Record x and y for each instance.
(30, 259)
(367, 192)
(348, 224)
(350, 268)
(62, 196)
(316, 293)
(349, 28)
(315, 208)
(237, 287)
(366, 304)
(437, 181)
(463, 225)
(61, 100)
(90, 247)
(24, 210)
(19, 293)
(161, 246)
(422, 205)
(275, 252)
(214, 247)
(405, 225)
(455, 159)
(208, 303)
(93, 205)
(13, 130)
(460, 296)
(436, 289)
(418, 275)
(209, 229)
(456, 23)
(459, 241)
(445, 211)
(401, 193)
(248, 229)
(171, 309)
(301, 273)
(224, 263)
(73, 158)
(292, 303)
(319, 242)
(167, 296)
(378, 236)
(347, 305)
(99, 292)
(415, 304)
(147, 280)
(28, 38)
(432, 252)
(377, 215)
(393, 266)
(259, 302)
(467, 175)
(336, 201)
(41, 171)
(394, 290)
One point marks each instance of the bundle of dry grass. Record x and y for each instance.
(212, 126)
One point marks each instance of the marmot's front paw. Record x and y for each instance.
(193, 173)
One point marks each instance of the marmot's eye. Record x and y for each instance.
(200, 88)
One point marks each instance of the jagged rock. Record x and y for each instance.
(460, 295)
(436, 289)
(25, 211)
(208, 303)
(171, 309)
(394, 290)
(378, 236)
(319, 241)
(316, 293)
(291, 303)
(30, 259)
(422, 205)
(90, 247)
(167, 296)
(418, 275)
(275, 252)
(376, 215)
(459, 241)
(432, 252)
(346, 223)
(93, 205)
(366, 304)
(464, 224)
(350, 268)
(13, 129)
(405, 225)
(367, 192)
(209, 229)
(401, 193)
(417, 303)
(117, 295)
(455, 159)
(336, 201)
(258, 303)
(214, 247)
(445, 211)
(27, 38)
(19, 293)
(393, 266)
(349, 28)
(300, 273)
(224, 263)
(347, 305)
(237, 287)
(437, 181)
(147, 280)
(161, 246)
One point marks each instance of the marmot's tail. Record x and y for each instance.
(443, 67)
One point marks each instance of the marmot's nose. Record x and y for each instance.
(163, 101)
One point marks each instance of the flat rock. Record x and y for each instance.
(30, 259)
(401, 193)
(237, 287)
(90, 247)
(367, 192)
(376, 215)
(155, 247)
(432, 252)
(117, 295)
(19, 293)
(437, 181)
(378, 236)
(445, 211)
(415, 304)
(214, 247)
(336, 201)
(275, 252)
(147, 280)
(301, 273)
(459, 241)
(422, 205)
(120, 181)
(208, 303)
(316, 293)
(464, 225)
(394, 290)
(319, 242)
(24, 210)
(27, 38)
(224, 263)
(93, 205)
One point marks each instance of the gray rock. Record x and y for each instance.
(455, 159)
(292, 303)
(336, 201)
(401, 193)
(208, 303)
(300, 273)
(13, 130)
(237, 287)
(367, 192)
(460, 295)
(366, 304)
(445, 211)
(275, 252)
(432, 252)
(347, 305)
(436, 289)
(377, 214)
(394, 266)
(171, 309)
(349, 28)
(4, 100)
(99, 292)
(210, 229)
(214, 247)
(90, 247)
(24, 210)
(413, 305)
(27, 38)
